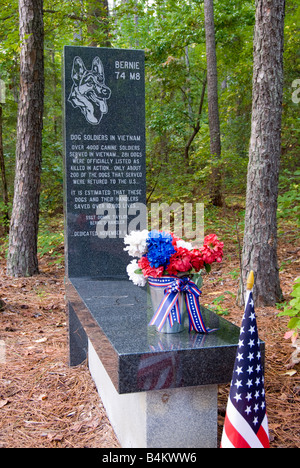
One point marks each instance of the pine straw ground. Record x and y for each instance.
(45, 403)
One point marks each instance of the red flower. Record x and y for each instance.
(148, 270)
(212, 249)
(179, 261)
(184, 260)
(197, 259)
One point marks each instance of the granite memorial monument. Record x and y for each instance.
(158, 390)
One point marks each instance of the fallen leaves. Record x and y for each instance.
(295, 356)
(83, 425)
(290, 372)
(44, 402)
(54, 406)
(41, 340)
(3, 403)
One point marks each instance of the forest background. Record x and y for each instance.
(179, 167)
(173, 37)
(181, 164)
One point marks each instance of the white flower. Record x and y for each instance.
(184, 244)
(136, 241)
(137, 278)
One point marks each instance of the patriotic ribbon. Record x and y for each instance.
(169, 306)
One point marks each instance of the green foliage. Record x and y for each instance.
(217, 306)
(4, 222)
(173, 37)
(51, 242)
(292, 309)
(289, 196)
(3, 246)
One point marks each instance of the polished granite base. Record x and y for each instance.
(113, 315)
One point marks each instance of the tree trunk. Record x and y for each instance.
(99, 11)
(260, 237)
(196, 127)
(213, 107)
(3, 177)
(22, 253)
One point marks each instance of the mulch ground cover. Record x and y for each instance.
(45, 403)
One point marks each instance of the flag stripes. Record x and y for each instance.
(237, 433)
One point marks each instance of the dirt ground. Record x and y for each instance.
(45, 403)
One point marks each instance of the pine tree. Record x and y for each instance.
(260, 237)
(22, 253)
(213, 106)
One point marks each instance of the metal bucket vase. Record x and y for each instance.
(157, 294)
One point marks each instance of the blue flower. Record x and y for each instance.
(160, 248)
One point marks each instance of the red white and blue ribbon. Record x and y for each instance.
(169, 306)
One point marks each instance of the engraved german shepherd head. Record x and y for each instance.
(89, 91)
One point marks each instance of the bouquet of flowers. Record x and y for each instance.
(161, 254)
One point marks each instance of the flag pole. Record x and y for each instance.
(249, 286)
(250, 281)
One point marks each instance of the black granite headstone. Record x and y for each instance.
(105, 181)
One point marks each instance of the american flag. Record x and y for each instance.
(158, 371)
(246, 423)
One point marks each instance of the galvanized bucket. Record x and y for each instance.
(157, 294)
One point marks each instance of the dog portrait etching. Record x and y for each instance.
(89, 92)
